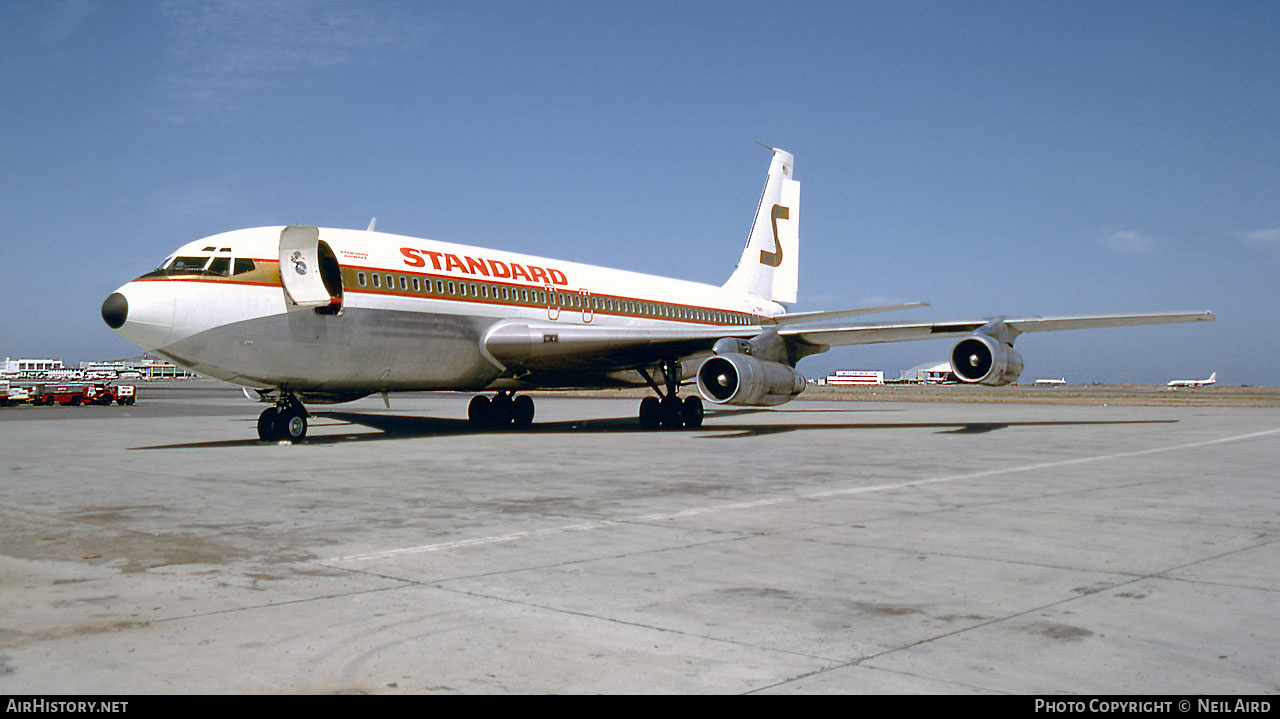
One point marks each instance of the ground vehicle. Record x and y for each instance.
(46, 395)
(16, 395)
(105, 394)
(122, 394)
(71, 394)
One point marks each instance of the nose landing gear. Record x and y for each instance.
(285, 421)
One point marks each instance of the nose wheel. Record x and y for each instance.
(286, 421)
(667, 410)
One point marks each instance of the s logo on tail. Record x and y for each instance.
(774, 259)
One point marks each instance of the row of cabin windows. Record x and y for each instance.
(561, 300)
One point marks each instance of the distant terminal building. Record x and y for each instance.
(136, 368)
(936, 373)
(846, 377)
(30, 366)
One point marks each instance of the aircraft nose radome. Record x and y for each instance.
(142, 313)
(115, 311)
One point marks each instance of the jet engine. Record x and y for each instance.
(739, 379)
(983, 359)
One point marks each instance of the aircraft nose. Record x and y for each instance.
(115, 310)
(142, 313)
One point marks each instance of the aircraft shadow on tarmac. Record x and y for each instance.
(393, 427)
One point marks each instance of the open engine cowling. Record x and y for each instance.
(740, 379)
(981, 359)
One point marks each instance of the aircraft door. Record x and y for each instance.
(300, 267)
(553, 303)
(588, 313)
(331, 275)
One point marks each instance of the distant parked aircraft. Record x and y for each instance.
(1052, 381)
(1213, 379)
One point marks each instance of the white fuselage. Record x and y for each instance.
(407, 313)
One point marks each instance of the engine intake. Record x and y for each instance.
(980, 359)
(740, 379)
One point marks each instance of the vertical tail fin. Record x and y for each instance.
(770, 267)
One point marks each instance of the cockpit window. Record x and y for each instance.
(186, 265)
(204, 265)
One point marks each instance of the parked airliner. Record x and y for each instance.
(306, 314)
(1212, 379)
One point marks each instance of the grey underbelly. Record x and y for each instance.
(361, 349)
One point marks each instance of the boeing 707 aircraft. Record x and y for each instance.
(306, 315)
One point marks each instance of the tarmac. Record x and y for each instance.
(824, 546)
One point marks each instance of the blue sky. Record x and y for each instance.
(987, 157)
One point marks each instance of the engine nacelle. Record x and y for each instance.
(740, 379)
(981, 359)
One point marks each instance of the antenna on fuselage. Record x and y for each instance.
(372, 222)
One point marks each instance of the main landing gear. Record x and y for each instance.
(504, 410)
(667, 410)
(285, 421)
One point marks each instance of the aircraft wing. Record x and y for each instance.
(541, 347)
(549, 353)
(874, 332)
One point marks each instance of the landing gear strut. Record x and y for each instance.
(286, 420)
(504, 410)
(667, 410)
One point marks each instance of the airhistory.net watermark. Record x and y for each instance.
(59, 706)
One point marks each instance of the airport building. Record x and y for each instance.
(136, 368)
(848, 377)
(934, 373)
(24, 366)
